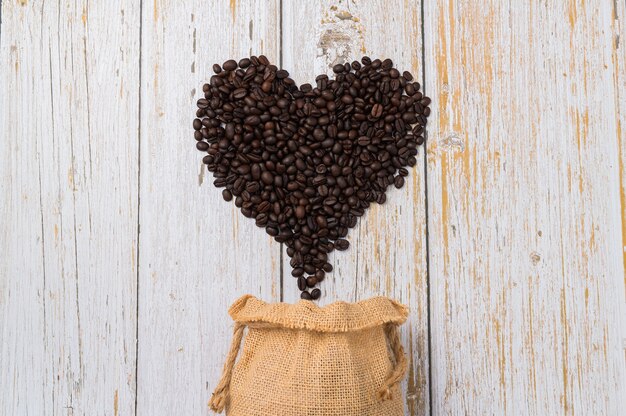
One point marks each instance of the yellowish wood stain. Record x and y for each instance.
(531, 341)
(155, 13)
(565, 353)
(571, 12)
(411, 391)
(233, 8)
(115, 403)
(620, 137)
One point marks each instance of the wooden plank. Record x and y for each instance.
(69, 172)
(197, 253)
(619, 76)
(524, 222)
(388, 246)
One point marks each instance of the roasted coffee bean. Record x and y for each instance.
(342, 244)
(377, 110)
(307, 162)
(227, 195)
(267, 178)
(398, 182)
(230, 65)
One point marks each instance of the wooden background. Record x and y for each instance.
(118, 258)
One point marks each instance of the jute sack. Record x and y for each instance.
(304, 360)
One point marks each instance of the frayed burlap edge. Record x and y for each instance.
(335, 317)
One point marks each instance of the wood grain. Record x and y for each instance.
(618, 59)
(197, 252)
(388, 247)
(69, 166)
(526, 251)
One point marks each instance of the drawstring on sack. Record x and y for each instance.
(399, 369)
(220, 395)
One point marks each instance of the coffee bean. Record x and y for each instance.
(230, 65)
(342, 244)
(267, 178)
(227, 195)
(239, 93)
(377, 110)
(307, 162)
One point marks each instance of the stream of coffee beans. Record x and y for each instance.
(306, 162)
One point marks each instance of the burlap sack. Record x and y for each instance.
(304, 360)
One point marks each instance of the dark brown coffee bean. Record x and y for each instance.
(306, 295)
(302, 283)
(230, 65)
(227, 195)
(398, 182)
(342, 244)
(239, 93)
(315, 294)
(377, 110)
(267, 178)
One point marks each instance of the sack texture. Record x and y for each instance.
(301, 359)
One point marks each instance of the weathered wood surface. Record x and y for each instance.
(68, 207)
(525, 232)
(119, 258)
(197, 254)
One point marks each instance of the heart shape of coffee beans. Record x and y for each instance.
(306, 162)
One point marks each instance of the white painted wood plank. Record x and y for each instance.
(69, 175)
(526, 252)
(619, 76)
(388, 247)
(197, 253)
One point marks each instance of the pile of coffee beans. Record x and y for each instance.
(306, 162)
